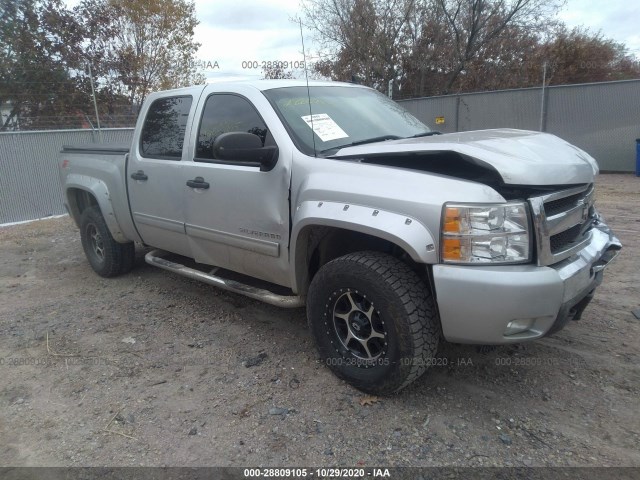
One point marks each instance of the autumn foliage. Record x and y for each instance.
(437, 47)
(49, 55)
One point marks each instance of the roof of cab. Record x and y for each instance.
(261, 85)
(271, 84)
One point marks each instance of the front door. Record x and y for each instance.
(237, 217)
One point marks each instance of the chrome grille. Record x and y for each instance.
(561, 205)
(562, 222)
(560, 241)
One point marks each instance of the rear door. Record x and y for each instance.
(240, 220)
(156, 193)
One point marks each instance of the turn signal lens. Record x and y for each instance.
(452, 220)
(452, 249)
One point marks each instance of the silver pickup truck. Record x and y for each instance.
(330, 195)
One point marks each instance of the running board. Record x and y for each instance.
(286, 301)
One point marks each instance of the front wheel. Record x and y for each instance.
(107, 257)
(373, 320)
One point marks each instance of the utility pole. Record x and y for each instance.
(95, 103)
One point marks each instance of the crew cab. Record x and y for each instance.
(331, 196)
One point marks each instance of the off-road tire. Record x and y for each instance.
(107, 257)
(377, 288)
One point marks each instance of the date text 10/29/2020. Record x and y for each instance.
(316, 473)
(383, 361)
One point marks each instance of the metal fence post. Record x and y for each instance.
(543, 99)
(95, 103)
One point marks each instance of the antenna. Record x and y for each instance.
(306, 75)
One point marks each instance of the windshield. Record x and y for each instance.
(341, 116)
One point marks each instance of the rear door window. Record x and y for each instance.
(164, 128)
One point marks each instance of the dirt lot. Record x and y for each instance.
(151, 369)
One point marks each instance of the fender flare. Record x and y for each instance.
(100, 192)
(406, 232)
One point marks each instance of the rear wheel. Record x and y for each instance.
(373, 320)
(107, 257)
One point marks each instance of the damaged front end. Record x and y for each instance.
(571, 243)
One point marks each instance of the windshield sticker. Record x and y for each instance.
(325, 127)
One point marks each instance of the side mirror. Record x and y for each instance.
(245, 148)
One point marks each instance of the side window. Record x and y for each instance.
(164, 128)
(225, 113)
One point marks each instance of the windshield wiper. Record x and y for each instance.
(381, 138)
(426, 134)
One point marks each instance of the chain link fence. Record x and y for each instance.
(29, 181)
(601, 118)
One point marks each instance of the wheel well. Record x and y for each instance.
(324, 244)
(79, 201)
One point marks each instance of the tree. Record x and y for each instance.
(131, 48)
(424, 46)
(425, 54)
(474, 25)
(141, 46)
(37, 56)
(364, 36)
(275, 72)
(511, 60)
(579, 56)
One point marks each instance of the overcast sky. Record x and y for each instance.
(617, 19)
(234, 31)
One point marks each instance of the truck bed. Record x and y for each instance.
(99, 148)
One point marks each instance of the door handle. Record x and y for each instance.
(197, 182)
(139, 175)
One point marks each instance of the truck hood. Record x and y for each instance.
(519, 157)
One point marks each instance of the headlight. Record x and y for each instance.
(485, 233)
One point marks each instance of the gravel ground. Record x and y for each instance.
(154, 369)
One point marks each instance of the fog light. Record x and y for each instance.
(518, 326)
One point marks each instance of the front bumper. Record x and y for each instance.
(480, 304)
